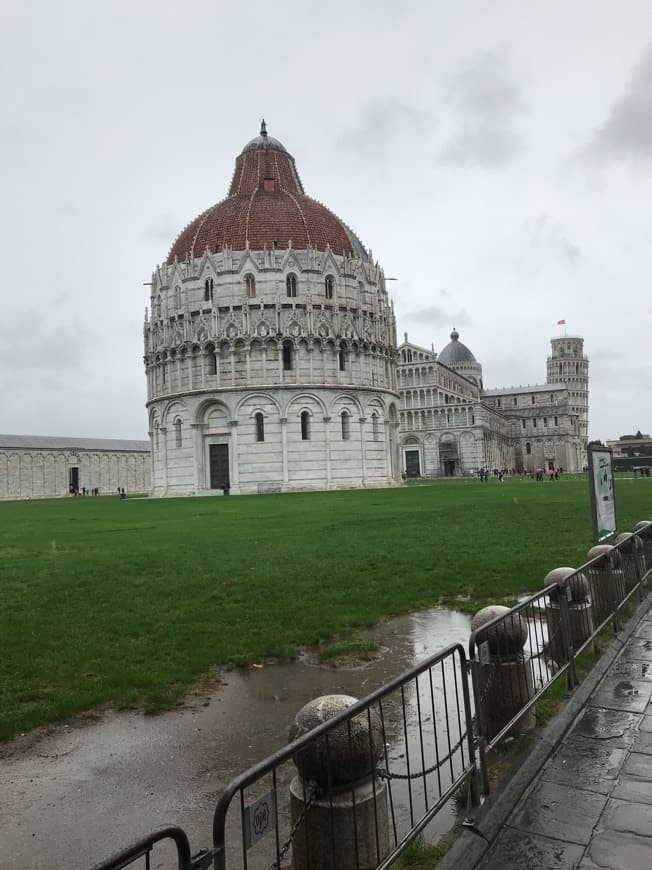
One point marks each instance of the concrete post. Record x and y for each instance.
(503, 683)
(607, 581)
(644, 531)
(580, 615)
(631, 550)
(346, 825)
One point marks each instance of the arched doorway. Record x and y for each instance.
(449, 457)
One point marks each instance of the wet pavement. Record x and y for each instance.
(591, 806)
(73, 794)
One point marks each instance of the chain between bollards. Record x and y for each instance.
(311, 795)
(382, 773)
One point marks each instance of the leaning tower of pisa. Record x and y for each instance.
(568, 365)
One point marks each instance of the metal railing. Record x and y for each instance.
(419, 751)
(393, 760)
(519, 654)
(139, 854)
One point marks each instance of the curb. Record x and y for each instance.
(475, 841)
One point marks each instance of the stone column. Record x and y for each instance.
(575, 588)
(631, 550)
(164, 464)
(606, 579)
(644, 531)
(198, 451)
(235, 476)
(327, 449)
(363, 450)
(388, 451)
(218, 362)
(284, 448)
(346, 823)
(503, 681)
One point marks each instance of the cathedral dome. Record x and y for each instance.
(266, 208)
(455, 352)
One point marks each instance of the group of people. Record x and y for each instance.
(551, 473)
(85, 490)
(500, 473)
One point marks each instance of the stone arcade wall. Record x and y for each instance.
(42, 471)
(362, 451)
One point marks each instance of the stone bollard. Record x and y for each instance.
(644, 531)
(504, 682)
(580, 614)
(606, 579)
(347, 824)
(631, 551)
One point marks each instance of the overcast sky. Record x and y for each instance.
(495, 156)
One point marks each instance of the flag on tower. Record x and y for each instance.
(561, 323)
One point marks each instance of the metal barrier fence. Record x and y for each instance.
(139, 854)
(370, 778)
(517, 655)
(359, 783)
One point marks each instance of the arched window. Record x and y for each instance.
(260, 427)
(250, 284)
(208, 289)
(329, 284)
(346, 425)
(178, 436)
(211, 362)
(291, 284)
(374, 426)
(177, 296)
(528, 448)
(305, 426)
(287, 356)
(342, 359)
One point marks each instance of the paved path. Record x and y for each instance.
(591, 805)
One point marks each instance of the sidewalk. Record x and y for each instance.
(590, 807)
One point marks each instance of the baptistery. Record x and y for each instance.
(270, 345)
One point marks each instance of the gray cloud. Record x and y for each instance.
(164, 230)
(484, 101)
(28, 342)
(433, 315)
(547, 239)
(382, 125)
(627, 133)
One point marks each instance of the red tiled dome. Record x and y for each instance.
(266, 207)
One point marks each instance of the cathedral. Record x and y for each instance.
(272, 362)
(451, 425)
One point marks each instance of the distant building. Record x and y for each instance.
(632, 451)
(34, 466)
(450, 425)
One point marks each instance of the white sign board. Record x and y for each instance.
(603, 498)
(260, 818)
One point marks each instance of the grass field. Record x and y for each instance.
(129, 601)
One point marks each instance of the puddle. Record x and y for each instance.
(76, 794)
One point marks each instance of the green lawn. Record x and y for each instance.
(108, 600)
